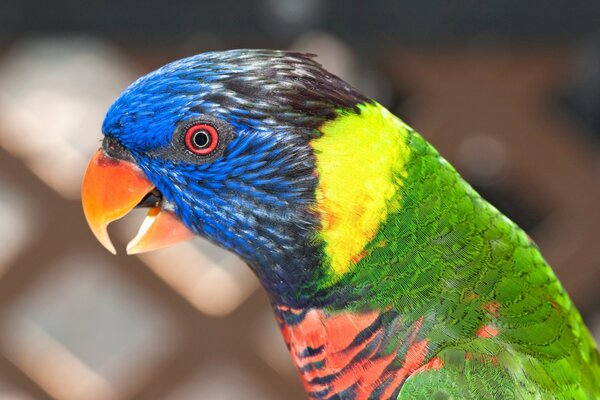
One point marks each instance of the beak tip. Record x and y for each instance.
(101, 234)
(105, 241)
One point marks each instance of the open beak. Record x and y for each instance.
(112, 188)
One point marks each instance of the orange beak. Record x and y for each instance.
(111, 189)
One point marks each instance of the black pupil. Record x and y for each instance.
(201, 139)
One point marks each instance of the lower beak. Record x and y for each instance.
(111, 189)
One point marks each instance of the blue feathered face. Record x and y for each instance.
(225, 139)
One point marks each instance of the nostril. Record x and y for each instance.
(115, 149)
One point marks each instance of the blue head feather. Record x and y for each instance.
(254, 198)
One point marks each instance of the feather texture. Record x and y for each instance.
(389, 275)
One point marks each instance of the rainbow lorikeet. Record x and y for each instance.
(389, 275)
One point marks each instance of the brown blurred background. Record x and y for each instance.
(509, 92)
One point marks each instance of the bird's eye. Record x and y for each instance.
(201, 139)
(198, 140)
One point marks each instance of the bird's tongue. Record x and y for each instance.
(112, 188)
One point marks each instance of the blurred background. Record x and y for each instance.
(508, 91)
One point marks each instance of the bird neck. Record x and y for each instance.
(359, 166)
(391, 236)
(395, 217)
(417, 270)
(360, 162)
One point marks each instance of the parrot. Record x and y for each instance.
(389, 276)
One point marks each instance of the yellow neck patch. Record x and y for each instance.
(361, 164)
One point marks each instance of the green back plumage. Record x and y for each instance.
(488, 305)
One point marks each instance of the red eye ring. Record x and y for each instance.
(201, 139)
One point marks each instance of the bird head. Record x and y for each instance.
(220, 145)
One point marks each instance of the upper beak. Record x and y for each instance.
(112, 188)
